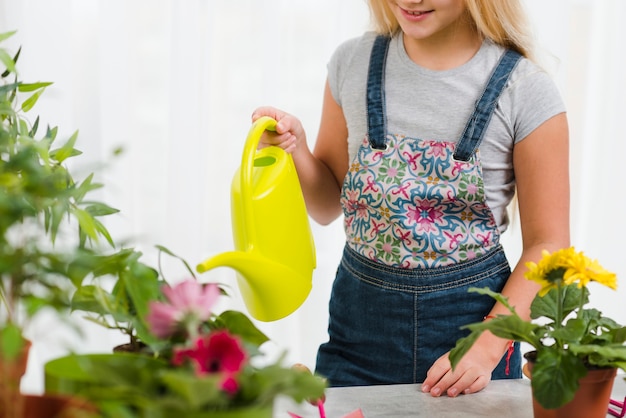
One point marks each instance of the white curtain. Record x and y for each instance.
(173, 83)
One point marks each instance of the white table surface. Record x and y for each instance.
(501, 398)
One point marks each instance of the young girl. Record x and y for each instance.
(428, 128)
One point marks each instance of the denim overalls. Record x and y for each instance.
(419, 234)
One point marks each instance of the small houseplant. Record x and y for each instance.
(49, 226)
(123, 304)
(197, 364)
(569, 338)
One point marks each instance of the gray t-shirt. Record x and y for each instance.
(435, 105)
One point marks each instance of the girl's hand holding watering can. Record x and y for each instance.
(289, 132)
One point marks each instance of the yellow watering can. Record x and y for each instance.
(274, 253)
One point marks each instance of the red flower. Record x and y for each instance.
(219, 352)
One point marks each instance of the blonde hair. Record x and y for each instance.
(502, 21)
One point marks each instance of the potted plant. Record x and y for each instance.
(570, 340)
(49, 226)
(124, 307)
(198, 364)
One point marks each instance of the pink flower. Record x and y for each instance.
(219, 352)
(188, 304)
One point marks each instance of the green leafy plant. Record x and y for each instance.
(196, 361)
(50, 226)
(132, 285)
(569, 338)
(48, 221)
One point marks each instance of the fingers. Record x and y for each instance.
(479, 384)
(468, 382)
(272, 112)
(436, 372)
(289, 131)
(467, 378)
(285, 121)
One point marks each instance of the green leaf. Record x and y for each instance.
(600, 355)
(51, 133)
(103, 231)
(113, 264)
(116, 409)
(67, 150)
(85, 187)
(33, 304)
(497, 296)
(6, 35)
(143, 286)
(33, 130)
(619, 334)
(196, 391)
(573, 331)
(86, 222)
(555, 377)
(8, 62)
(510, 327)
(130, 372)
(100, 209)
(275, 380)
(28, 87)
(143, 334)
(11, 341)
(546, 306)
(32, 100)
(92, 298)
(239, 324)
(54, 218)
(461, 348)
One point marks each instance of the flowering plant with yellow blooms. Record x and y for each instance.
(569, 338)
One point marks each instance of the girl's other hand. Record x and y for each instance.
(289, 131)
(472, 374)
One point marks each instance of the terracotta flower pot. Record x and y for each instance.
(57, 406)
(11, 372)
(14, 369)
(590, 401)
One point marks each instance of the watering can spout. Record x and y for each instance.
(260, 280)
(230, 259)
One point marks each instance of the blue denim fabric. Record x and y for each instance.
(478, 122)
(388, 325)
(376, 115)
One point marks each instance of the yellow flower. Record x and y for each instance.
(565, 267)
(595, 272)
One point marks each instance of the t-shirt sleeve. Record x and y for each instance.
(340, 61)
(535, 98)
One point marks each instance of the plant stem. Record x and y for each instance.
(581, 305)
(559, 309)
(5, 302)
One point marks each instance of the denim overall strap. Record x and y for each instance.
(376, 119)
(478, 122)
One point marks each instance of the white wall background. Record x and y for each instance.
(174, 83)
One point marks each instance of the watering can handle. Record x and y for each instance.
(261, 125)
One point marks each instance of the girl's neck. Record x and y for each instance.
(445, 50)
